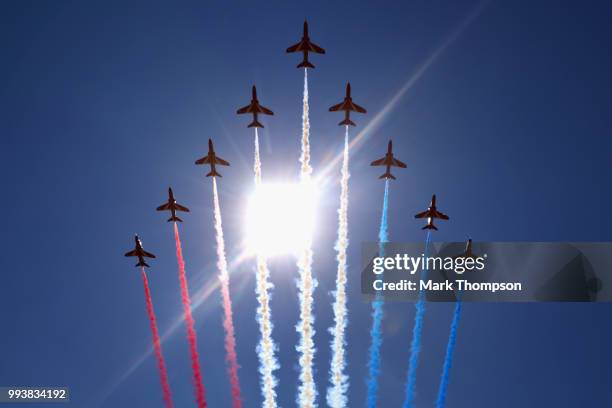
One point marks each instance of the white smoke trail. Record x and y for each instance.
(257, 161)
(307, 391)
(336, 394)
(228, 322)
(266, 347)
(306, 170)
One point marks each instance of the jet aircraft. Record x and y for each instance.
(347, 106)
(388, 161)
(255, 108)
(431, 213)
(305, 46)
(139, 252)
(212, 159)
(173, 207)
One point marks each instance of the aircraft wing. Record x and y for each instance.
(441, 216)
(246, 109)
(379, 162)
(147, 254)
(181, 208)
(422, 214)
(203, 160)
(358, 108)
(220, 161)
(132, 253)
(398, 163)
(294, 48)
(265, 110)
(163, 207)
(315, 48)
(336, 107)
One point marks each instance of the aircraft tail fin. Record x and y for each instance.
(255, 124)
(175, 218)
(346, 122)
(430, 227)
(143, 263)
(213, 173)
(305, 64)
(387, 175)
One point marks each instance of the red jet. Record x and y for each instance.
(212, 159)
(388, 161)
(173, 207)
(255, 108)
(140, 253)
(305, 46)
(432, 213)
(347, 106)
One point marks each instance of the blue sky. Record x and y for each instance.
(106, 104)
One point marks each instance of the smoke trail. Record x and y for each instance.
(307, 391)
(417, 330)
(161, 364)
(191, 334)
(306, 169)
(266, 347)
(383, 234)
(377, 313)
(448, 361)
(336, 395)
(228, 323)
(257, 161)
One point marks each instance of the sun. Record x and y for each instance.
(280, 218)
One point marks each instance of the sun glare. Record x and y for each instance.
(280, 218)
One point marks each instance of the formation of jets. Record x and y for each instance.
(305, 46)
(431, 214)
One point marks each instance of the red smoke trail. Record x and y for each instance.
(161, 364)
(191, 335)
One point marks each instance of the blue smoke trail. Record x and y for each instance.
(417, 330)
(377, 313)
(450, 350)
(383, 232)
